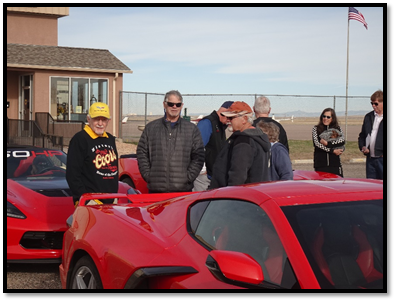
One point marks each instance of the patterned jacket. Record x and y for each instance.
(323, 155)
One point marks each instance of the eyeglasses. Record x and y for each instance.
(374, 104)
(232, 117)
(326, 116)
(170, 104)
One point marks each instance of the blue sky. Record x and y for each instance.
(263, 50)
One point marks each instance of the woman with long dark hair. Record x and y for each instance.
(329, 143)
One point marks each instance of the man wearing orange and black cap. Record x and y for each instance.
(92, 158)
(246, 156)
(212, 128)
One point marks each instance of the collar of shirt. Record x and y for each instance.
(377, 115)
(92, 134)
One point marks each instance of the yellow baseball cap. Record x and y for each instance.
(99, 109)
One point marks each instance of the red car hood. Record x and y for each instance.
(306, 175)
(157, 218)
(51, 210)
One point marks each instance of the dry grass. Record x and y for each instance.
(303, 149)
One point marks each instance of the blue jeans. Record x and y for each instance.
(375, 167)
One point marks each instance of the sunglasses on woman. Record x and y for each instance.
(326, 116)
(170, 104)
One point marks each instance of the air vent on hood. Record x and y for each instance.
(55, 193)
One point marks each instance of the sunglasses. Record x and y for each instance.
(326, 116)
(375, 104)
(232, 117)
(170, 104)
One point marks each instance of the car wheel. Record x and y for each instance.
(85, 275)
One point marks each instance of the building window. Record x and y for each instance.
(59, 98)
(99, 90)
(79, 98)
(71, 97)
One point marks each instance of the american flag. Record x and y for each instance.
(354, 14)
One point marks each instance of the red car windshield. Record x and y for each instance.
(342, 241)
(22, 163)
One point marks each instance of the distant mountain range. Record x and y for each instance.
(300, 113)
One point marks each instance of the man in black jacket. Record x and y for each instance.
(212, 128)
(245, 158)
(170, 152)
(92, 158)
(371, 137)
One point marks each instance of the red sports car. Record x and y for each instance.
(307, 234)
(38, 203)
(130, 174)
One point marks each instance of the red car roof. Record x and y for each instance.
(286, 193)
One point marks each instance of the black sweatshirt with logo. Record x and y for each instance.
(92, 164)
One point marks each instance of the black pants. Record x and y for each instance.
(375, 167)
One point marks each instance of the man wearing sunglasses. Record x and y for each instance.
(170, 151)
(371, 137)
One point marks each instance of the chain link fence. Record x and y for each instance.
(139, 108)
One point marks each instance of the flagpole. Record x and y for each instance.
(346, 95)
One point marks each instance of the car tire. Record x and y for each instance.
(85, 275)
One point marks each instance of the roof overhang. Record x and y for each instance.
(67, 68)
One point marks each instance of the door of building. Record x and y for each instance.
(25, 105)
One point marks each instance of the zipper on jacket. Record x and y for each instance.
(169, 157)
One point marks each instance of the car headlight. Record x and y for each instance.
(14, 212)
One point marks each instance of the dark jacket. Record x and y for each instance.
(170, 158)
(216, 141)
(281, 167)
(92, 164)
(282, 132)
(245, 158)
(323, 155)
(366, 130)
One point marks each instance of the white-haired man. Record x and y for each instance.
(92, 158)
(262, 109)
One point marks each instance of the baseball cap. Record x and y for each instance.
(227, 104)
(238, 108)
(99, 109)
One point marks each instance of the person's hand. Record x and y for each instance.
(337, 151)
(323, 142)
(365, 150)
(93, 202)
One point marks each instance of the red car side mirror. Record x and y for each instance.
(235, 266)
